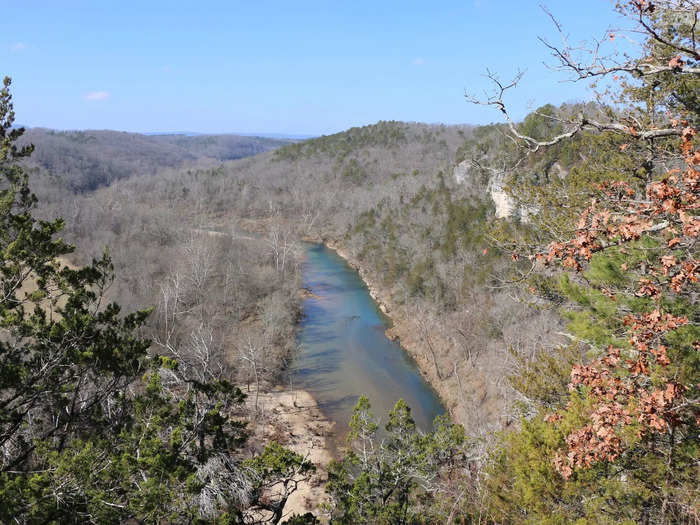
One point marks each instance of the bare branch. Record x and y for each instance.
(575, 125)
(655, 35)
(597, 69)
(604, 65)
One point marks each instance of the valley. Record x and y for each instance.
(400, 323)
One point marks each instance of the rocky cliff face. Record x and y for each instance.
(461, 171)
(505, 207)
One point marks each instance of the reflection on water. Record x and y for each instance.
(344, 352)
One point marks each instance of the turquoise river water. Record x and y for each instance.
(344, 352)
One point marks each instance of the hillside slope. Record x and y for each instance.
(386, 197)
(85, 160)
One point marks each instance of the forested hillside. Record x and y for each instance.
(386, 196)
(543, 274)
(81, 161)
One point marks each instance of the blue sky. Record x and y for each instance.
(305, 67)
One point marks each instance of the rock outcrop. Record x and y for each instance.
(505, 206)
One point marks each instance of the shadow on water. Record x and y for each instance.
(344, 352)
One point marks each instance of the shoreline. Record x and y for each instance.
(297, 421)
(293, 419)
(401, 331)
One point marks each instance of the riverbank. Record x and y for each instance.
(458, 394)
(344, 351)
(343, 355)
(294, 419)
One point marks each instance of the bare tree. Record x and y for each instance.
(588, 61)
(249, 352)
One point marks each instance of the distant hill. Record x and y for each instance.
(385, 195)
(290, 136)
(86, 160)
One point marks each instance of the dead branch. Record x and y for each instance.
(575, 125)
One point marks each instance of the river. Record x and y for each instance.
(344, 352)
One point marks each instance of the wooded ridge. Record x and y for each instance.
(559, 325)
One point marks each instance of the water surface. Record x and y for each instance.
(344, 352)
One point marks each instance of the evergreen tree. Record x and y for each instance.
(613, 437)
(93, 427)
(398, 476)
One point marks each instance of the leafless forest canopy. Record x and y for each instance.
(214, 244)
(542, 274)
